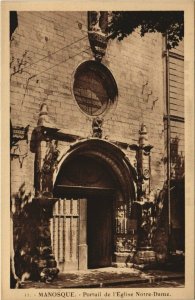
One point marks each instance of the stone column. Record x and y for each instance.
(144, 207)
(46, 154)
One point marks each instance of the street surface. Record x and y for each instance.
(179, 283)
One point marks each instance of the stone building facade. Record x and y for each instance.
(89, 143)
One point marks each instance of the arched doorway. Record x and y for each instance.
(88, 183)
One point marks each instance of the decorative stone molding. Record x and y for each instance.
(143, 161)
(44, 119)
(17, 134)
(49, 165)
(145, 252)
(97, 32)
(46, 153)
(19, 142)
(97, 127)
(143, 209)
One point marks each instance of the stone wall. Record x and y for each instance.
(46, 49)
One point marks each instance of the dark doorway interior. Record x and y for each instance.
(99, 231)
(90, 178)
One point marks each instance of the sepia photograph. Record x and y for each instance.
(97, 153)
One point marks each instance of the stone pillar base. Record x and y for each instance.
(144, 256)
(122, 265)
(122, 257)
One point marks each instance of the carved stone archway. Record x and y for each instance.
(115, 183)
(108, 153)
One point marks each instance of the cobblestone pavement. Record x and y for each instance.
(104, 277)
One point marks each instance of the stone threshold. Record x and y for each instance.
(133, 279)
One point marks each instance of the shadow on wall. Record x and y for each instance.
(160, 238)
(170, 246)
(31, 237)
(154, 229)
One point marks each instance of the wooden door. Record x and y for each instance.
(99, 232)
(64, 233)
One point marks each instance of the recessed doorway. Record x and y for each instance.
(100, 231)
(92, 177)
